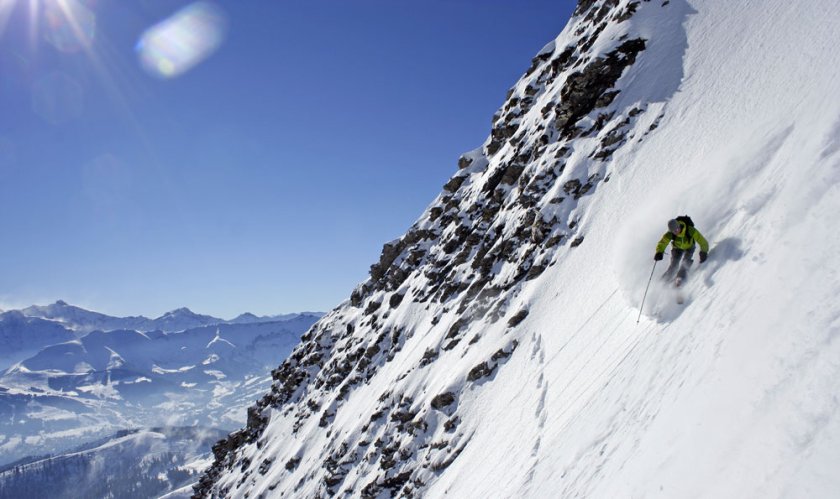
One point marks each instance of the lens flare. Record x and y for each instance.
(70, 25)
(177, 44)
(5, 13)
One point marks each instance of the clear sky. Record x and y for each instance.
(263, 177)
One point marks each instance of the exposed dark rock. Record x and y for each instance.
(448, 461)
(600, 121)
(372, 307)
(397, 481)
(292, 463)
(255, 418)
(494, 180)
(576, 189)
(519, 317)
(539, 229)
(451, 245)
(428, 357)
(502, 354)
(451, 424)
(603, 12)
(606, 98)
(357, 297)
(439, 445)
(572, 187)
(512, 103)
(443, 400)
(583, 6)
(614, 137)
(499, 135)
(390, 252)
(587, 43)
(562, 61)
(554, 241)
(511, 173)
(403, 416)
(326, 419)
(603, 154)
(585, 88)
(536, 61)
(454, 184)
(455, 329)
(628, 12)
(395, 300)
(265, 466)
(480, 371)
(577, 242)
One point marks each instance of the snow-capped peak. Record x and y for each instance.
(179, 312)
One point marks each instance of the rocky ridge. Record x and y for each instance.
(513, 208)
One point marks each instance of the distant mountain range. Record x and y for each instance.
(23, 332)
(68, 375)
(85, 321)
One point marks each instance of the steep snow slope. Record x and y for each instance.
(495, 352)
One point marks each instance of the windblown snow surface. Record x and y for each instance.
(731, 114)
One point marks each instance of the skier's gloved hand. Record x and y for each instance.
(703, 256)
(659, 256)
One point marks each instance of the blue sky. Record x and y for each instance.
(265, 178)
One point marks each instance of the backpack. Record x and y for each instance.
(686, 220)
(689, 224)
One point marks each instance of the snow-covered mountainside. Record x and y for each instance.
(85, 388)
(21, 335)
(495, 349)
(131, 463)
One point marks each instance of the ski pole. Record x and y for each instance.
(646, 290)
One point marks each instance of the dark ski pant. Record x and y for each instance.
(677, 255)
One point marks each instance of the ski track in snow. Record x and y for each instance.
(540, 414)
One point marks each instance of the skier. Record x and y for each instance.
(682, 235)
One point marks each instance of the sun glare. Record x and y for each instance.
(5, 12)
(68, 25)
(166, 50)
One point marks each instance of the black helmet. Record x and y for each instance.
(674, 226)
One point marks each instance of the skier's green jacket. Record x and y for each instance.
(684, 240)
